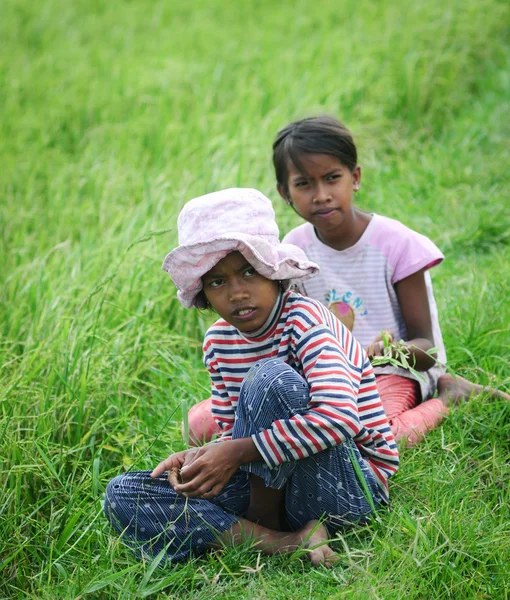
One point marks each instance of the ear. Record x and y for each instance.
(356, 178)
(283, 193)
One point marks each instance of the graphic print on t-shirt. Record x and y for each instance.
(343, 307)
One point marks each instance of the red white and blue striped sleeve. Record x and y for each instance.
(377, 443)
(332, 416)
(221, 406)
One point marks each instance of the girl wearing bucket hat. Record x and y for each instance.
(305, 447)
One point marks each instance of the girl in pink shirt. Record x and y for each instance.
(374, 274)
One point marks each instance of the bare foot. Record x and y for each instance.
(453, 389)
(312, 538)
(315, 539)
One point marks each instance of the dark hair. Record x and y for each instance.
(315, 135)
(201, 301)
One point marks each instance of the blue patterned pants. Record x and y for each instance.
(151, 517)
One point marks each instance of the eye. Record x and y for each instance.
(333, 177)
(214, 283)
(249, 272)
(300, 183)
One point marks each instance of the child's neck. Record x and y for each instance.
(347, 234)
(271, 320)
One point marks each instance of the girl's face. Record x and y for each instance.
(322, 193)
(239, 294)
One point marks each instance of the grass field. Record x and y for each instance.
(112, 115)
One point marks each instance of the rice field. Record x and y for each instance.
(113, 115)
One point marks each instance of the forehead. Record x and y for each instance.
(231, 262)
(310, 164)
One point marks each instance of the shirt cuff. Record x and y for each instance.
(266, 445)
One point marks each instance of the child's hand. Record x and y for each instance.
(173, 464)
(376, 348)
(211, 468)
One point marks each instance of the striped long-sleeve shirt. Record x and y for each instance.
(344, 403)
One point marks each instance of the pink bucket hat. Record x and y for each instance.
(212, 226)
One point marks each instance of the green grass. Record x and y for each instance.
(112, 115)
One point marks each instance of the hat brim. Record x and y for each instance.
(280, 262)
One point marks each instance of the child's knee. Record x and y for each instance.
(122, 495)
(269, 368)
(114, 487)
(202, 427)
(112, 496)
(272, 379)
(271, 391)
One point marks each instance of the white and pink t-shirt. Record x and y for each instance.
(357, 284)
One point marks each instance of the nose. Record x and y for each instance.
(237, 289)
(321, 193)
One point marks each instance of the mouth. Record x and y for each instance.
(244, 313)
(324, 213)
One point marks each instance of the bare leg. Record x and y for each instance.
(265, 504)
(312, 537)
(453, 389)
